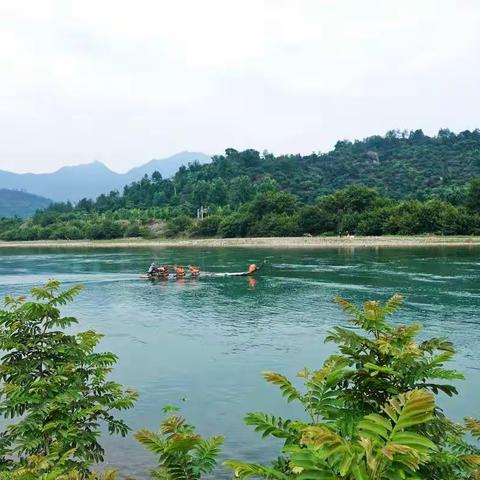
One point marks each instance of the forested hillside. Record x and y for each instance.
(400, 165)
(403, 183)
(18, 203)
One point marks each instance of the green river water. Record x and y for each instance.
(203, 344)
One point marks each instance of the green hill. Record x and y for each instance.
(19, 203)
(399, 164)
(401, 183)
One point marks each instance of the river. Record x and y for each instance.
(202, 344)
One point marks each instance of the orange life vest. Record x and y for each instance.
(194, 270)
(179, 271)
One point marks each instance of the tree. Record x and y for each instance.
(134, 230)
(241, 190)
(85, 204)
(268, 185)
(272, 202)
(201, 192)
(234, 225)
(208, 227)
(473, 200)
(354, 199)
(250, 158)
(315, 220)
(178, 226)
(54, 384)
(105, 229)
(157, 176)
(275, 225)
(218, 192)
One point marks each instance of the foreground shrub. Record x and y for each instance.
(182, 453)
(42, 468)
(371, 409)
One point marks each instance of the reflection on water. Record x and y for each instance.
(207, 340)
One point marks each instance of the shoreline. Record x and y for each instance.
(387, 241)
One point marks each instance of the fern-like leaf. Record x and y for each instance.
(206, 453)
(393, 304)
(286, 387)
(153, 441)
(270, 425)
(250, 470)
(473, 426)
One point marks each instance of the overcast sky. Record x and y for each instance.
(127, 81)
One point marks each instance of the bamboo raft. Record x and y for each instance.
(170, 276)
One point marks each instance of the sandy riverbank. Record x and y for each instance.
(270, 242)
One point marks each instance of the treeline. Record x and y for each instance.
(369, 412)
(264, 210)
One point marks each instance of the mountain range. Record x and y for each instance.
(90, 180)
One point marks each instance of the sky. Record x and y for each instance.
(125, 81)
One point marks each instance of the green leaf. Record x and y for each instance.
(286, 387)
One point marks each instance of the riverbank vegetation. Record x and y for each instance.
(404, 183)
(270, 212)
(370, 411)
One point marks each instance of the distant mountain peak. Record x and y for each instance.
(170, 164)
(95, 165)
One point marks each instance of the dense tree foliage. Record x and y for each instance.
(54, 384)
(270, 212)
(402, 183)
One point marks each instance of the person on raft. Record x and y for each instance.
(252, 268)
(163, 271)
(194, 271)
(152, 269)
(179, 271)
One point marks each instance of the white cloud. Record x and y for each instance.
(126, 81)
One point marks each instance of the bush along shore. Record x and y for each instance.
(370, 409)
